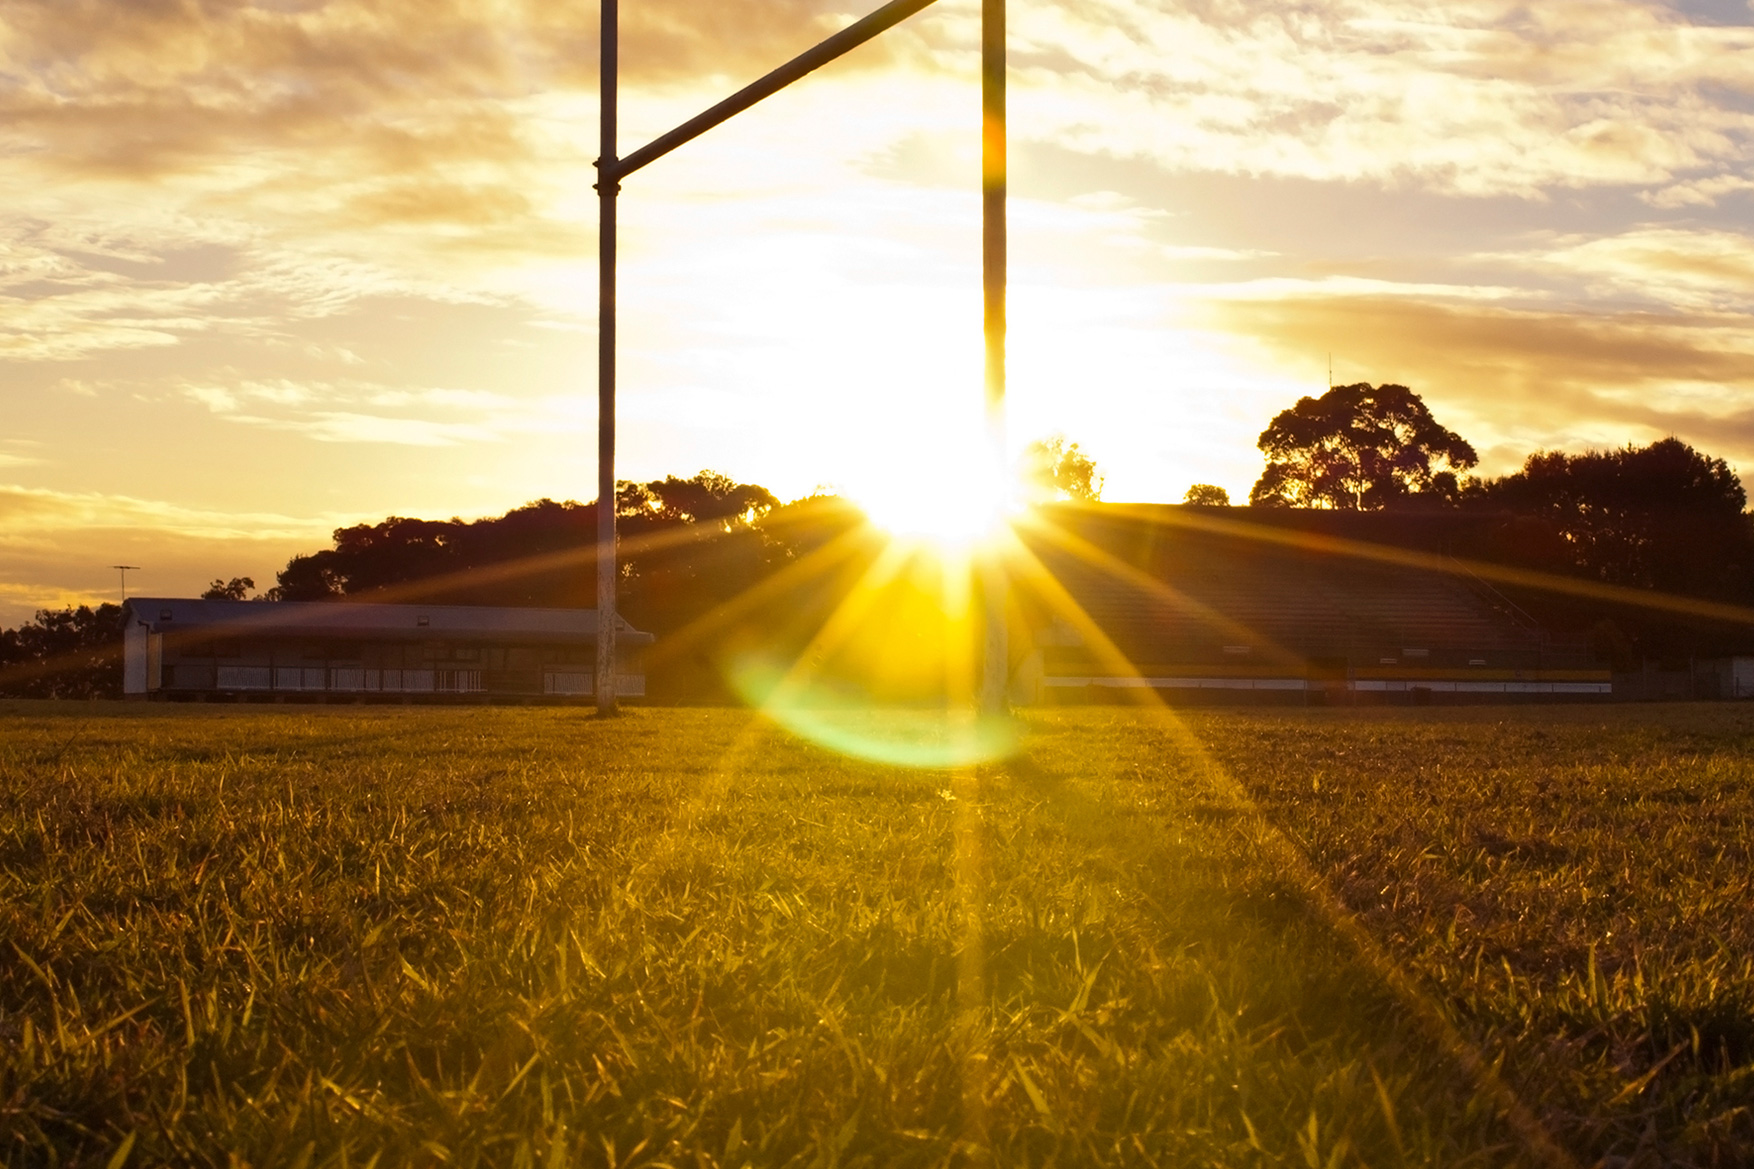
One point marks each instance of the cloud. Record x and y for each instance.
(1198, 252)
(1273, 288)
(20, 452)
(19, 601)
(1706, 192)
(344, 426)
(1522, 379)
(1687, 268)
(27, 512)
(463, 113)
(109, 275)
(429, 417)
(1477, 98)
(122, 88)
(56, 548)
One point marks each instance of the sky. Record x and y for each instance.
(272, 267)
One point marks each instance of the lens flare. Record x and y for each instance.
(843, 719)
(889, 674)
(960, 501)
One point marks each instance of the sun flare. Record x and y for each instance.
(958, 506)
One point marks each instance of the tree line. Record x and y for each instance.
(1662, 516)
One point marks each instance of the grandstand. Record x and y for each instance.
(1244, 606)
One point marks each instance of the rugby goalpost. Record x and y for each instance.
(611, 169)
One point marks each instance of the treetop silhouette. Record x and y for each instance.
(1661, 516)
(1360, 447)
(1054, 470)
(1206, 495)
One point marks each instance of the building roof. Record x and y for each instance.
(370, 620)
(1167, 586)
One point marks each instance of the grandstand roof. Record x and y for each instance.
(364, 619)
(1169, 584)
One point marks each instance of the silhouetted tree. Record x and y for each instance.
(64, 653)
(686, 546)
(709, 498)
(235, 589)
(679, 537)
(1662, 516)
(1207, 495)
(1053, 470)
(1360, 447)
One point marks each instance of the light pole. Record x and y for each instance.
(994, 197)
(124, 570)
(608, 188)
(611, 169)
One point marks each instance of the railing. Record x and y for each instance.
(581, 684)
(347, 680)
(1519, 616)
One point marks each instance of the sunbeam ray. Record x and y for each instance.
(1143, 581)
(1470, 1060)
(818, 562)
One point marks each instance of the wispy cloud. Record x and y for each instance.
(365, 412)
(28, 512)
(1521, 379)
(1478, 97)
(56, 548)
(1682, 268)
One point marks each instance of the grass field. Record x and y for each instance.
(520, 937)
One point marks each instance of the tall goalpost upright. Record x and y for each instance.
(611, 169)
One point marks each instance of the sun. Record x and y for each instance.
(951, 505)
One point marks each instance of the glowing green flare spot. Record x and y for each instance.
(839, 718)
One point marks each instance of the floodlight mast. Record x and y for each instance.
(608, 187)
(996, 665)
(611, 169)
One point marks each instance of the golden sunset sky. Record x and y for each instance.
(270, 268)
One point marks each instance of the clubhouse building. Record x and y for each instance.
(175, 648)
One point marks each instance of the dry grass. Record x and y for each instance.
(488, 936)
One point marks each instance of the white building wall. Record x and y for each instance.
(134, 653)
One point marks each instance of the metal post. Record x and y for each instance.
(996, 674)
(611, 170)
(836, 46)
(608, 187)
